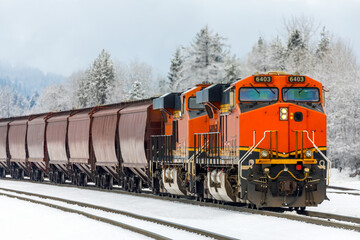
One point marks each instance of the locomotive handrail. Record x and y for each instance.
(323, 155)
(247, 154)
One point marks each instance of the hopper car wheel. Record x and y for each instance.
(85, 180)
(62, 178)
(77, 179)
(111, 182)
(74, 179)
(42, 176)
(103, 181)
(125, 184)
(56, 177)
(51, 176)
(97, 181)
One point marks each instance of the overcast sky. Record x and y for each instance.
(63, 36)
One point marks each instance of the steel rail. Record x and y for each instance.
(330, 216)
(125, 213)
(317, 220)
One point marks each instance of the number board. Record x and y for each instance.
(295, 79)
(263, 79)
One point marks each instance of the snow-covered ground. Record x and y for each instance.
(342, 179)
(342, 204)
(24, 220)
(230, 223)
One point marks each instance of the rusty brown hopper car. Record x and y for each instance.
(17, 147)
(36, 147)
(56, 141)
(80, 146)
(106, 145)
(4, 127)
(137, 123)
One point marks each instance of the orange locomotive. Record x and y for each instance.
(265, 144)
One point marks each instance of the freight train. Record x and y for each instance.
(260, 141)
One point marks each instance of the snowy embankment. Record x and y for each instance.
(230, 223)
(342, 204)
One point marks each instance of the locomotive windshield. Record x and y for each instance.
(256, 94)
(301, 94)
(193, 105)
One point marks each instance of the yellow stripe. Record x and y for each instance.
(285, 161)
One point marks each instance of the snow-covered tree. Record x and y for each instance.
(324, 44)
(12, 103)
(276, 55)
(53, 98)
(137, 91)
(204, 60)
(258, 57)
(232, 69)
(95, 88)
(176, 66)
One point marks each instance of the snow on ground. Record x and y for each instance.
(230, 223)
(24, 220)
(342, 204)
(342, 179)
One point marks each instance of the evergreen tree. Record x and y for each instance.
(295, 41)
(324, 44)
(137, 91)
(277, 55)
(232, 69)
(258, 58)
(204, 60)
(94, 89)
(174, 74)
(33, 99)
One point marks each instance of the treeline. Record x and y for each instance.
(305, 48)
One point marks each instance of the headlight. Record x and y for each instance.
(264, 154)
(284, 114)
(308, 154)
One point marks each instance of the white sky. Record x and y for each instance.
(63, 36)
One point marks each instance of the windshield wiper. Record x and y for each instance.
(255, 88)
(270, 88)
(286, 90)
(303, 88)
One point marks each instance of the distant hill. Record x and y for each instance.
(26, 80)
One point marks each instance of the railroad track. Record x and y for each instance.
(313, 217)
(19, 195)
